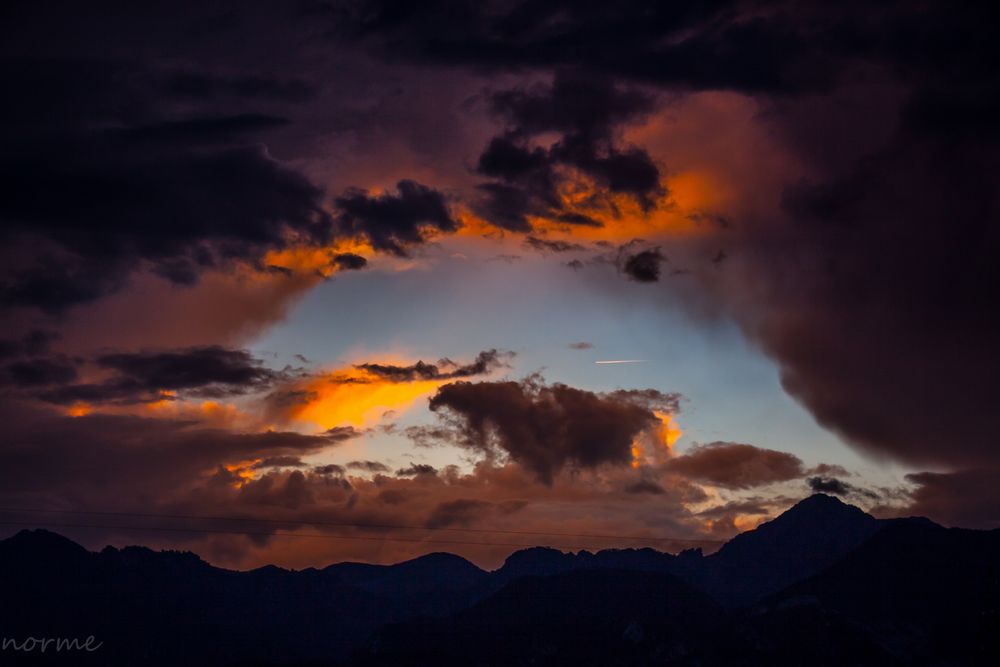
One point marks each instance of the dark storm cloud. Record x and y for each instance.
(586, 113)
(543, 427)
(966, 498)
(391, 222)
(203, 85)
(105, 458)
(100, 174)
(486, 362)
(779, 47)
(736, 466)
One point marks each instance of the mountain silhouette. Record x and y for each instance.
(823, 583)
(804, 540)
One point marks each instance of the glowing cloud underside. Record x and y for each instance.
(357, 398)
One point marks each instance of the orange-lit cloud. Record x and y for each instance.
(355, 397)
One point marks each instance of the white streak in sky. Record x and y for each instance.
(621, 361)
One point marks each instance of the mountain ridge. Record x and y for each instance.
(808, 577)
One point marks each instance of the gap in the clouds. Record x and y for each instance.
(458, 302)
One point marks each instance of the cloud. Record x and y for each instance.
(392, 222)
(37, 372)
(581, 345)
(585, 112)
(367, 466)
(839, 487)
(139, 183)
(546, 427)
(359, 395)
(736, 466)
(967, 498)
(643, 267)
(342, 433)
(430, 436)
(416, 469)
(146, 376)
(550, 245)
(347, 261)
(279, 462)
(486, 362)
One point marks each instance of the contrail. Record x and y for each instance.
(621, 361)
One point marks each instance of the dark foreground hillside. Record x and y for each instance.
(823, 584)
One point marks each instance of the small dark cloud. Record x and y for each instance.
(582, 345)
(838, 487)
(644, 266)
(736, 466)
(342, 433)
(368, 466)
(548, 245)
(429, 436)
(393, 222)
(416, 469)
(486, 362)
(651, 399)
(505, 258)
(279, 462)
(348, 261)
(329, 469)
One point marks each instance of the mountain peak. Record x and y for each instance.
(805, 538)
(41, 540)
(822, 502)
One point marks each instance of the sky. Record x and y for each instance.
(305, 282)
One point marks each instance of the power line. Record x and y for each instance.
(376, 526)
